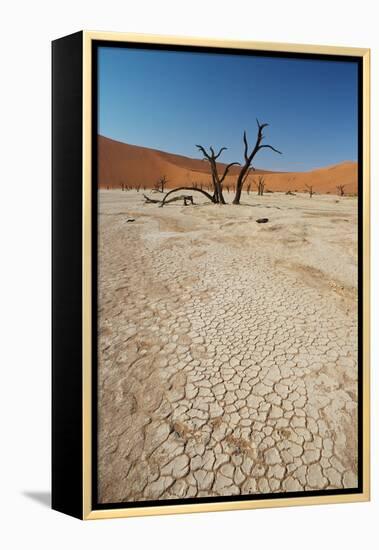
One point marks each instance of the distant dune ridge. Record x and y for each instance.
(120, 163)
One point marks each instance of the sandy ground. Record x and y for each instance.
(227, 348)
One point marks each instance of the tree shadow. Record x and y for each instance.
(41, 497)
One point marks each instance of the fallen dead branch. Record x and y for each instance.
(149, 200)
(187, 199)
(165, 201)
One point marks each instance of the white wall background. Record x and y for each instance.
(27, 29)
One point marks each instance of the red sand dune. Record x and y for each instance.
(120, 163)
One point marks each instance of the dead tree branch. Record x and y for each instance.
(164, 200)
(149, 200)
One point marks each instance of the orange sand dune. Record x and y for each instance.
(120, 163)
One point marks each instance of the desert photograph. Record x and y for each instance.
(227, 273)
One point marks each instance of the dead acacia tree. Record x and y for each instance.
(310, 190)
(160, 184)
(261, 185)
(249, 158)
(341, 190)
(217, 179)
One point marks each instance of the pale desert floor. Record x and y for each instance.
(227, 348)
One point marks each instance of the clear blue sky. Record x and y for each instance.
(173, 100)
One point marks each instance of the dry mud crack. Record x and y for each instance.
(221, 370)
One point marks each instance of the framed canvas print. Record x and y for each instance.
(210, 275)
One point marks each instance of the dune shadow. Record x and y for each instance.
(41, 497)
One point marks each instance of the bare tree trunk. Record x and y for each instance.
(217, 180)
(249, 158)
